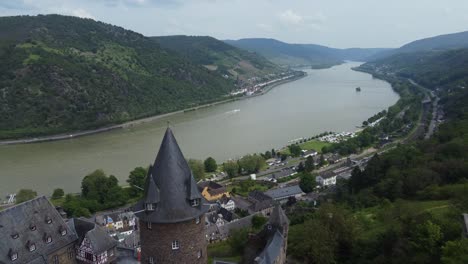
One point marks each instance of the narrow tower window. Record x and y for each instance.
(150, 207)
(194, 202)
(175, 244)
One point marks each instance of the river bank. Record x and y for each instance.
(132, 123)
(324, 100)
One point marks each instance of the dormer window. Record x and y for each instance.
(32, 227)
(194, 202)
(31, 246)
(15, 236)
(13, 255)
(47, 239)
(63, 231)
(150, 206)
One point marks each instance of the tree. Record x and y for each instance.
(295, 150)
(322, 161)
(24, 195)
(210, 165)
(237, 240)
(251, 163)
(273, 153)
(309, 164)
(58, 193)
(258, 221)
(454, 252)
(307, 182)
(198, 169)
(426, 237)
(231, 168)
(267, 155)
(284, 157)
(300, 167)
(103, 190)
(137, 179)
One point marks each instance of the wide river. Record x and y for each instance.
(325, 100)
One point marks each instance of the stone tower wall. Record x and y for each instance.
(157, 242)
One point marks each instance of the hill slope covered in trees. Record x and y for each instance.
(63, 73)
(437, 43)
(218, 56)
(313, 55)
(406, 205)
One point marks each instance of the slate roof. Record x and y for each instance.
(278, 218)
(258, 196)
(20, 219)
(272, 249)
(283, 173)
(285, 192)
(226, 229)
(228, 216)
(175, 187)
(260, 201)
(96, 235)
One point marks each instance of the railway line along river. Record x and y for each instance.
(325, 100)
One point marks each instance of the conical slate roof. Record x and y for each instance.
(278, 218)
(171, 186)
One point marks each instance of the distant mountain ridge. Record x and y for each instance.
(219, 56)
(303, 54)
(61, 73)
(437, 43)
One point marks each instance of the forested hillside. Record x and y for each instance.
(406, 205)
(63, 73)
(430, 68)
(218, 56)
(438, 43)
(317, 56)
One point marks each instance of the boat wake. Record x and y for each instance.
(232, 112)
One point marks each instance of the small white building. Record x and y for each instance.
(326, 179)
(229, 205)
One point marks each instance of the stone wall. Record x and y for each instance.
(157, 242)
(65, 255)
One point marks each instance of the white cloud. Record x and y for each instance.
(291, 17)
(80, 12)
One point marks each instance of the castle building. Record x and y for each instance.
(269, 245)
(34, 232)
(172, 211)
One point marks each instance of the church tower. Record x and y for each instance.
(172, 211)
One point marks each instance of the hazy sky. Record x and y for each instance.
(336, 23)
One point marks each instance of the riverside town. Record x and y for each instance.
(207, 132)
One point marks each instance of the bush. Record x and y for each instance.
(58, 193)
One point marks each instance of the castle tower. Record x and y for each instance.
(172, 211)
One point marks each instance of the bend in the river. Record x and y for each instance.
(325, 100)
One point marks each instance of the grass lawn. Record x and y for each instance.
(375, 220)
(245, 191)
(312, 144)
